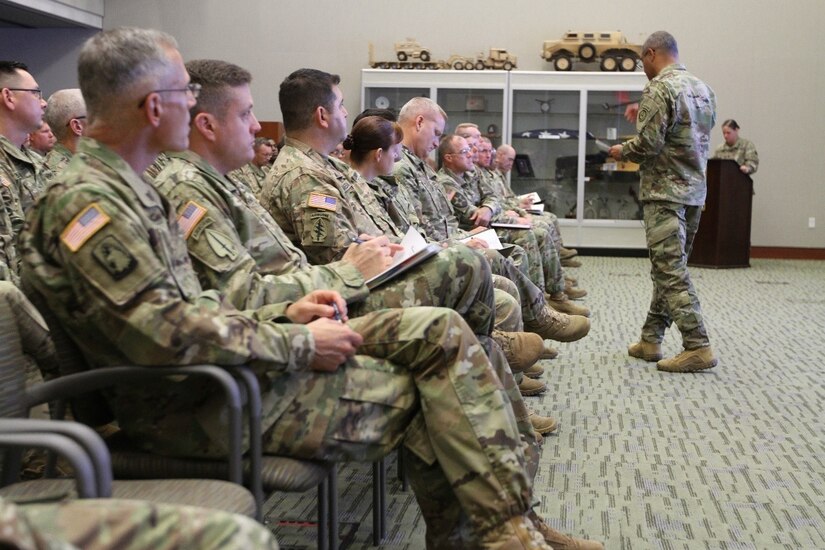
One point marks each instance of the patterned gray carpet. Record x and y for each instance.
(732, 458)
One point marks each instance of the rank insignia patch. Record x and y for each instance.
(83, 226)
(114, 257)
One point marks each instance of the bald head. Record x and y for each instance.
(505, 157)
(63, 107)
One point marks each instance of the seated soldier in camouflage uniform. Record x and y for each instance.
(253, 173)
(112, 524)
(104, 248)
(66, 113)
(476, 204)
(235, 246)
(21, 112)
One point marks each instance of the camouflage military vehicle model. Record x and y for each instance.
(411, 49)
(411, 55)
(610, 48)
(498, 58)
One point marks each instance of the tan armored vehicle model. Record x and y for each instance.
(497, 59)
(611, 48)
(411, 49)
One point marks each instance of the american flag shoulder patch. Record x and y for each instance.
(318, 200)
(189, 217)
(84, 226)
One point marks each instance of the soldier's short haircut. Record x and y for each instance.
(8, 72)
(445, 146)
(663, 41)
(62, 107)
(259, 141)
(301, 93)
(420, 106)
(215, 78)
(462, 128)
(122, 63)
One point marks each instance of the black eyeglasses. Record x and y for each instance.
(81, 117)
(36, 91)
(193, 88)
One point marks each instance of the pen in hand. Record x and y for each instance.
(336, 313)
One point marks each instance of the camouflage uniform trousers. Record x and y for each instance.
(545, 265)
(435, 388)
(39, 354)
(457, 278)
(670, 228)
(109, 524)
(531, 297)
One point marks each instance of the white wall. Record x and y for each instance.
(762, 57)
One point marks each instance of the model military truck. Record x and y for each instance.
(610, 48)
(411, 55)
(411, 49)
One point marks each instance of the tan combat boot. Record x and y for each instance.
(559, 326)
(566, 253)
(572, 281)
(689, 360)
(648, 351)
(522, 349)
(543, 424)
(517, 533)
(534, 372)
(574, 292)
(559, 302)
(570, 262)
(549, 351)
(560, 541)
(529, 387)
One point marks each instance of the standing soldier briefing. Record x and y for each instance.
(675, 117)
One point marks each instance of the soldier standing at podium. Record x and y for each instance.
(676, 115)
(739, 149)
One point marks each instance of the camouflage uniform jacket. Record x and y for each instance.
(251, 175)
(57, 159)
(498, 184)
(676, 115)
(9, 259)
(237, 248)
(743, 152)
(104, 249)
(432, 207)
(25, 178)
(467, 194)
(396, 201)
(314, 203)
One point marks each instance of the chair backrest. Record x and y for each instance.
(91, 408)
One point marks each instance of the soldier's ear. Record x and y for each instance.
(204, 124)
(321, 116)
(419, 121)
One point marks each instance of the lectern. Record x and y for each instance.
(724, 236)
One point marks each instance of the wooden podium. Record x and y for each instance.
(724, 236)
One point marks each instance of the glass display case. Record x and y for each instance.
(562, 126)
(479, 97)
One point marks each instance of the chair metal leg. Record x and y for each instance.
(379, 502)
(402, 472)
(333, 507)
(323, 514)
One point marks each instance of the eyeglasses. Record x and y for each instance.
(193, 88)
(464, 151)
(81, 117)
(37, 92)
